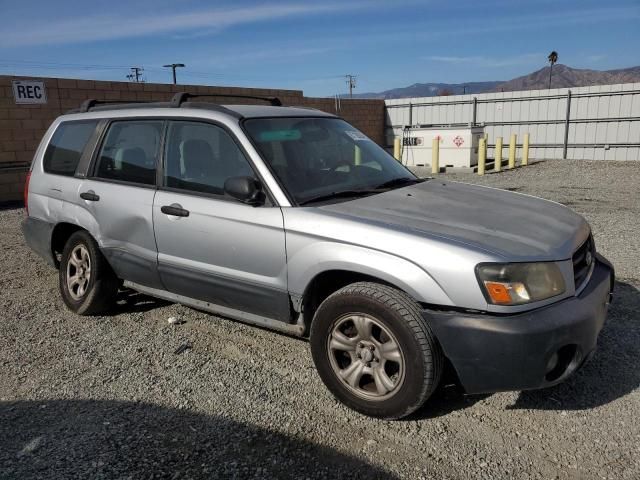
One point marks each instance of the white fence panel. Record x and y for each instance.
(604, 121)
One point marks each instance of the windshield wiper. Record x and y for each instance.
(402, 181)
(341, 194)
(383, 187)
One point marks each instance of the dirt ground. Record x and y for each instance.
(107, 397)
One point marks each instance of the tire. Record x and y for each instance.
(387, 374)
(92, 292)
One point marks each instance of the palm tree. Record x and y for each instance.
(553, 58)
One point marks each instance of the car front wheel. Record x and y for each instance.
(374, 350)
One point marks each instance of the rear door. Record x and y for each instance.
(119, 192)
(220, 251)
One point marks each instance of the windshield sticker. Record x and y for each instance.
(356, 135)
(280, 135)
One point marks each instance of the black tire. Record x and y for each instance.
(102, 284)
(397, 312)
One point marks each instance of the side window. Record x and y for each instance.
(129, 151)
(201, 156)
(65, 148)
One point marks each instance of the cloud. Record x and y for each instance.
(482, 61)
(267, 53)
(113, 27)
(423, 30)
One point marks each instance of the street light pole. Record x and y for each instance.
(173, 67)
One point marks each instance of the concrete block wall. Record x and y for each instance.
(22, 126)
(367, 115)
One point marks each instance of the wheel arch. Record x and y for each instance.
(388, 270)
(327, 282)
(59, 236)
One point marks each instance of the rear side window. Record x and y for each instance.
(65, 149)
(130, 151)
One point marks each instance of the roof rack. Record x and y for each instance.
(92, 102)
(181, 97)
(176, 102)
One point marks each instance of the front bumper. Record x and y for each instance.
(493, 353)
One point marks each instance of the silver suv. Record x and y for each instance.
(292, 219)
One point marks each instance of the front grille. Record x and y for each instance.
(583, 259)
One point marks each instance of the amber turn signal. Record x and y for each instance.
(499, 292)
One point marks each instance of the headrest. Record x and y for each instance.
(197, 157)
(133, 156)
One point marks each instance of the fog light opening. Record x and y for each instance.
(559, 362)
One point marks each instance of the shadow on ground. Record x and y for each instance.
(129, 301)
(109, 439)
(614, 370)
(446, 399)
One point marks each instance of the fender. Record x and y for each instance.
(321, 256)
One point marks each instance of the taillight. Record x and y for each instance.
(26, 192)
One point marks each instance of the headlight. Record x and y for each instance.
(518, 283)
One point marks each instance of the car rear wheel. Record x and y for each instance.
(87, 284)
(374, 350)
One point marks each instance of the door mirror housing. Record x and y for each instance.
(246, 189)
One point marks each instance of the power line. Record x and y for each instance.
(89, 67)
(195, 74)
(61, 66)
(78, 66)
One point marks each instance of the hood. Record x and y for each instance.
(514, 226)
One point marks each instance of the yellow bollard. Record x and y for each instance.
(435, 156)
(396, 148)
(482, 156)
(525, 150)
(512, 151)
(497, 165)
(358, 156)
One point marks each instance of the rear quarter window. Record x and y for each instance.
(66, 146)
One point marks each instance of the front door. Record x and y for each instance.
(210, 246)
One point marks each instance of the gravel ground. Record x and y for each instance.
(107, 397)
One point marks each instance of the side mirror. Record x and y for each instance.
(246, 189)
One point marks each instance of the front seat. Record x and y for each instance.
(134, 167)
(200, 166)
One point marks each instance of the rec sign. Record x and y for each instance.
(29, 91)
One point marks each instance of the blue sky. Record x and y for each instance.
(309, 45)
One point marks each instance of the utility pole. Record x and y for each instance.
(173, 67)
(351, 83)
(136, 74)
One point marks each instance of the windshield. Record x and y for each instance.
(321, 159)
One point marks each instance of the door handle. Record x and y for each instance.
(90, 196)
(175, 210)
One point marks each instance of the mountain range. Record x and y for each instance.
(562, 77)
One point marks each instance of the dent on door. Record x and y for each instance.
(123, 214)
